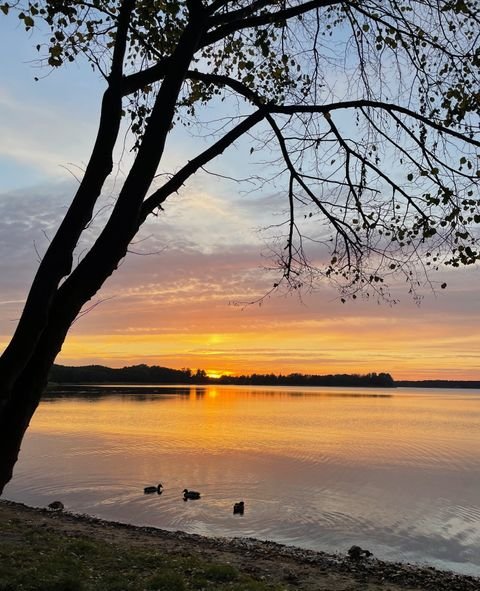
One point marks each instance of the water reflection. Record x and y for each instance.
(100, 390)
(398, 473)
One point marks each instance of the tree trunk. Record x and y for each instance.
(15, 416)
(26, 357)
(25, 365)
(57, 262)
(17, 410)
(58, 259)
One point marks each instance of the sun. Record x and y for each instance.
(215, 374)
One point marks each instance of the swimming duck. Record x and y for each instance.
(239, 508)
(148, 490)
(190, 494)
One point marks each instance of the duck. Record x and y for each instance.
(190, 494)
(239, 508)
(148, 490)
(56, 506)
(357, 553)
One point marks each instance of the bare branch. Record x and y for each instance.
(174, 184)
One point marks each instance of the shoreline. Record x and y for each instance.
(271, 563)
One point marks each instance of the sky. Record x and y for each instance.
(180, 298)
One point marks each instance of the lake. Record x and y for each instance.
(396, 471)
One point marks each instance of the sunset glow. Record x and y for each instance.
(186, 304)
(215, 374)
(162, 324)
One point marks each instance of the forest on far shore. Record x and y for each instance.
(144, 374)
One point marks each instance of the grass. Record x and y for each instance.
(34, 559)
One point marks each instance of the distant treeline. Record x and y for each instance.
(438, 384)
(136, 374)
(144, 374)
(381, 380)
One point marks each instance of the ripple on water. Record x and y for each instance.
(467, 514)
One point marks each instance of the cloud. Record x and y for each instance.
(174, 304)
(40, 136)
(28, 219)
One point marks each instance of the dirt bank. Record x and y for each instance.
(252, 564)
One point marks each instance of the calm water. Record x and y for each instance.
(395, 471)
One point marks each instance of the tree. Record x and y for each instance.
(370, 110)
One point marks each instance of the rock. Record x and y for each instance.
(291, 577)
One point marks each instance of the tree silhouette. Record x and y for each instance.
(369, 110)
